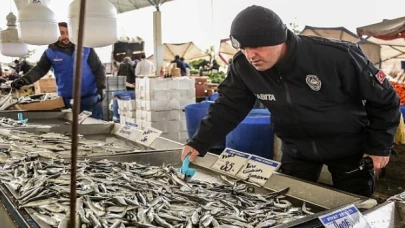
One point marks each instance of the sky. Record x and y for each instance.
(205, 22)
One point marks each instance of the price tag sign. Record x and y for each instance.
(258, 169)
(230, 161)
(148, 136)
(82, 116)
(348, 216)
(125, 131)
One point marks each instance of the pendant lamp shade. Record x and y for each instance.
(100, 26)
(37, 24)
(11, 45)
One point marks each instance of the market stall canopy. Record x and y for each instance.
(392, 52)
(226, 51)
(121, 5)
(189, 51)
(337, 33)
(386, 30)
(128, 46)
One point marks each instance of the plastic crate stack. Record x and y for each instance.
(160, 103)
(126, 107)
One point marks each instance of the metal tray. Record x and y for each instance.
(60, 122)
(322, 200)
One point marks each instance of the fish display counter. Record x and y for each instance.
(147, 190)
(60, 122)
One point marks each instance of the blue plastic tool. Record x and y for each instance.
(188, 172)
(21, 118)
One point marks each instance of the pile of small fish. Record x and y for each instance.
(37, 98)
(15, 145)
(9, 123)
(8, 100)
(113, 194)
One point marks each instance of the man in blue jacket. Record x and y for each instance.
(60, 56)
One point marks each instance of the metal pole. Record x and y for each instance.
(76, 110)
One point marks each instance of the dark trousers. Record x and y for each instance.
(360, 182)
(89, 103)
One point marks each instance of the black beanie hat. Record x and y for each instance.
(257, 26)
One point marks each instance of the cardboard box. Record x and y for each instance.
(45, 85)
(41, 106)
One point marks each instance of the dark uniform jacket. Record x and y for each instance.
(327, 101)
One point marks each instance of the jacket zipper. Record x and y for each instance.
(288, 98)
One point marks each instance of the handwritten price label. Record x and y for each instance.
(258, 170)
(348, 216)
(83, 116)
(230, 161)
(126, 131)
(148, 136)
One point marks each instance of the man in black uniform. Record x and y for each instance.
(329, 104)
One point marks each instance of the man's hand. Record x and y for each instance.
(188, 150)
(18, 83)
(102, 93)
(379, 162)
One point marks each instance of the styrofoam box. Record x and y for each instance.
(173, 104)
(153, 84)
(158, 116)
(126, 105)
(144, 94)
(131, 114)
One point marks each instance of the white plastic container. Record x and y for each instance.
(37, 24)
(100, 27)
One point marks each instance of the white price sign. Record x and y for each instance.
(348, 216)
(258, 170)
(83, 116)
(125, 131)
(148, 136)
(230, 161)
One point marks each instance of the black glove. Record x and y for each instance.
(18, 83)
(102, 93)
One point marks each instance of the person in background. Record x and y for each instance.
(61, 57)
(180, 65)
(144, 67)
(25, 66)
(126, 70)
(186, 65)
(329, 104)
(16, 67)
(215, 65)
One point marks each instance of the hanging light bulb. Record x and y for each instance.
(37, 24)
(100, 27)
(11, 45)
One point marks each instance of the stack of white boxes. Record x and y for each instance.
(127, 111)
(160, 103)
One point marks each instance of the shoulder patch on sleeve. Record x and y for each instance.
(380, 76)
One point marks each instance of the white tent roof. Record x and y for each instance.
(226, 50)
(189, 51)
(338, 33)
(391, 52)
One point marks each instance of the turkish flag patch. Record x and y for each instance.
(380, 76)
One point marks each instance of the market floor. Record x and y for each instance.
(392, 180)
